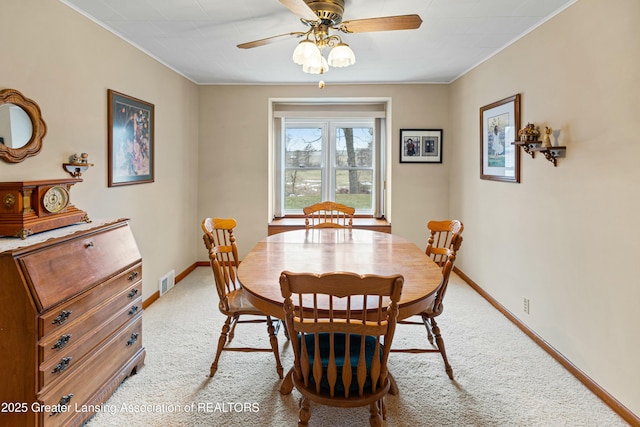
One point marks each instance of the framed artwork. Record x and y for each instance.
(420, 145)
(499, 124)
(131, 143)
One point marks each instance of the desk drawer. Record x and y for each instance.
(57, 320)
(63, 270)
(64, 360)
(92, 374)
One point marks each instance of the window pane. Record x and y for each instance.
(303, 147)
(354, 146)
(353, 188)
(303, 187)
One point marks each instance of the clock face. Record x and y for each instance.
(55, 199)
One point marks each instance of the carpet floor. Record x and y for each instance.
(502, 378)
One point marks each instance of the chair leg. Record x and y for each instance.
(375, 420)
(234, 322)
(305, 412)
(274, 346)
(425, 319)
(440, 344)
(221, 343)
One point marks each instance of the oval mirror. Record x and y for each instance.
(15, 126)
(21, 127)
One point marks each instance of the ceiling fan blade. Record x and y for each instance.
(300, 8)
(385, 23)
(269, 40)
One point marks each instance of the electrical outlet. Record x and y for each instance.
(526, 305)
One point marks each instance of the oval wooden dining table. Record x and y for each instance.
(327, 250)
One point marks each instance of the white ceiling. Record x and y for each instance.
(198, 38)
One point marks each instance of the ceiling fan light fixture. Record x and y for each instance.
(306, 51)
(316, 66)
(341, 56)
(321, 16)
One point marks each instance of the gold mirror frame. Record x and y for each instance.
(39, 128)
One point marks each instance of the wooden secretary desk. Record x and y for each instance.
(70, 322)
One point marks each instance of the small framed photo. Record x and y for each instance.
(499, 124)
(131, 144)
(420, 145)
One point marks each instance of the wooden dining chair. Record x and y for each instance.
(328, 215)
(223, 253)
(442, 234)
(340, 355)
(443, 244)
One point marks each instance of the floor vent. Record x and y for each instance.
(166, 282)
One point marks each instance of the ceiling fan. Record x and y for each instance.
(324, 15)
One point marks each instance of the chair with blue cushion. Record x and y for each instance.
(221, 244)
(341, 327)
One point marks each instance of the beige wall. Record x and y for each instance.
(565, 237)
(66, 63)
(233, 163)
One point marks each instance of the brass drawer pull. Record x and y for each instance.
(133, 310)
(133, 275)
(64, 339)
(62, 317)
(60, 367)
(133, 339)
(88, 245)
(133, 293)
(64, 402)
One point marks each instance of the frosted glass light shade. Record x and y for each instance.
(306, 51)
(316, 66)
(341, 56)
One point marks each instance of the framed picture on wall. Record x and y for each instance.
(499, 124)
(131, 144)
(420, 145)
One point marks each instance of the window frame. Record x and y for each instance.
(352, 109)
(328, 166)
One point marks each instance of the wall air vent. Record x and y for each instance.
(166, 282)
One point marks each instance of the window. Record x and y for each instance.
(328, 160)
(329, 152)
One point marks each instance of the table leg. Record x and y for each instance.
(287, 383)
(393, 389)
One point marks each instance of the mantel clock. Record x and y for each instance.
(30, 207)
